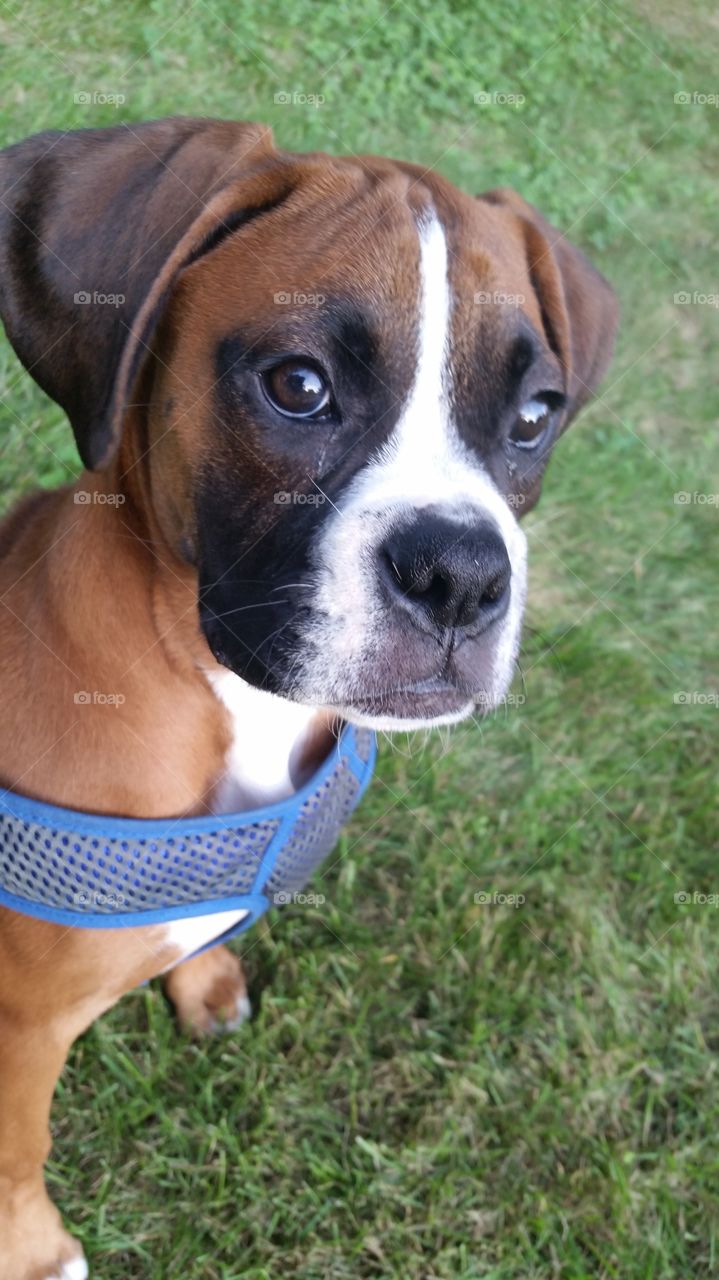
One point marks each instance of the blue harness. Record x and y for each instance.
(97, 872)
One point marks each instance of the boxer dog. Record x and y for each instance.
(312, 395)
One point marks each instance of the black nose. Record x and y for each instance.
(450, 574)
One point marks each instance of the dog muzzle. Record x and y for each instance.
(91, 871)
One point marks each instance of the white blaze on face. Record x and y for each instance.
(424, 463)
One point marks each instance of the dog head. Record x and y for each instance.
(350, 377)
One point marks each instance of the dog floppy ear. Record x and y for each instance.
(94, 227)
(579, 308)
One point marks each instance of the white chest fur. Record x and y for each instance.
(268, 737)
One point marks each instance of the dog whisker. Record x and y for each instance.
(262, 604)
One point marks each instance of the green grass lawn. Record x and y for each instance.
(436, 1088)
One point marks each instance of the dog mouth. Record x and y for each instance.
(461, 680)
(444, 697)
(434, 699)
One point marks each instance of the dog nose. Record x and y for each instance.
(451, 574)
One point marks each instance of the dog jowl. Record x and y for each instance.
(313, 397)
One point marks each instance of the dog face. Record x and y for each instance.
(357, 374)
(363, 454)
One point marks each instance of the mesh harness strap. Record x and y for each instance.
(99, 872)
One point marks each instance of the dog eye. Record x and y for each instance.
(297, 389)
(533, 419)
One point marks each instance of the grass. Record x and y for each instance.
(435, 1088)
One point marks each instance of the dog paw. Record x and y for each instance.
(209, 993)
(33, 1242)
(74, 1269)
(240, 1012)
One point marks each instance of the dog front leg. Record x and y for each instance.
(33, 1242)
